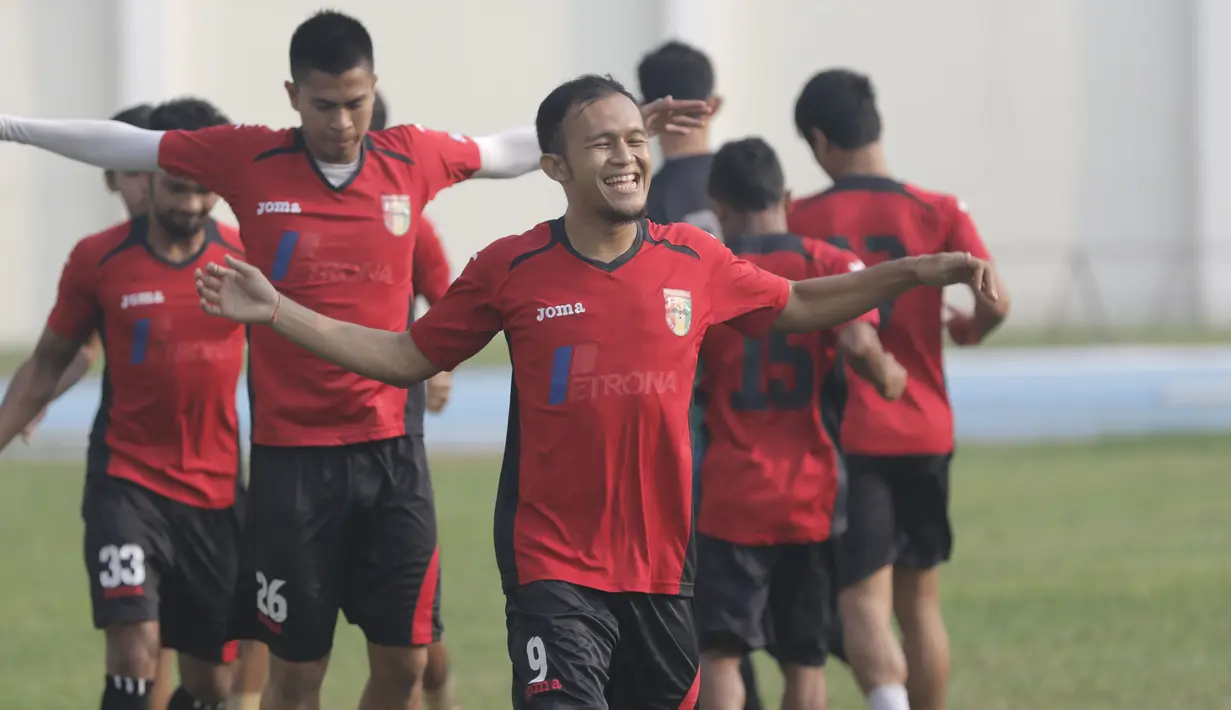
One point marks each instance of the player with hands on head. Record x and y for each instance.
(602, 386)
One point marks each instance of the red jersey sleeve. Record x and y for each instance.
(431, 268)
(212, 157)
(445, 159)
(963, 236)
(743, 295)
(75, 314)
(464, 320)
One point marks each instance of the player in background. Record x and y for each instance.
(604, 314)
(134, 191)
(677, 192)
(898, 453)
(340, 513)
(161, 530)
(772, 476)
(431, 279)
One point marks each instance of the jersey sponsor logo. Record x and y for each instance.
(566, 309)
(679, 310)
(144, 298)
(576, 377)
(397, 213)
(277, 207)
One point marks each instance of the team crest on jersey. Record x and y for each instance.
(679, 310)
(397, 213)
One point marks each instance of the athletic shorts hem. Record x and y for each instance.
(125, 615)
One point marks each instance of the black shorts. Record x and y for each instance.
(150, 558)
(576, 647)
(898, 514)
(780, 598)
(340, 527)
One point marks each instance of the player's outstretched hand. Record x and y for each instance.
(957, 268)
(438, 388)
(668, 115)
(237, 291)
(894, 382)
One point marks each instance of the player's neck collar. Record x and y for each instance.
(364, 146)
(560, 236)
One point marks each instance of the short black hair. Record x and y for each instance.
(676, 70)
(842, 105)
(138, 115)
(330, 42)
(380, 113)
(187, 114)
(746, 176)
(583, 90)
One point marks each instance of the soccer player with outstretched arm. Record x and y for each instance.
(604, 314)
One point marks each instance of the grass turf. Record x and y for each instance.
(1086, 576)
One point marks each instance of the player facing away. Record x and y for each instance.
(898, 453)
(430, 277)
(161, 529)
(772, 477)
(604, 314)
(678, 192)
(340, 513)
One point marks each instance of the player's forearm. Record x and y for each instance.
(862, 350)
(32, 388)
(110, 145)
(508, 154)
(830, 301)
(381, 355)
(77, 369)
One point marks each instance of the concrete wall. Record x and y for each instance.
(1065, 124)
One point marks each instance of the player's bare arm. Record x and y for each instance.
(241, 293)
(829, 301)
(861, 348)
(35, 384)
(515, 152)
(73, 374)
(110, 145)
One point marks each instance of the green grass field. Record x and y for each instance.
(1086, 576)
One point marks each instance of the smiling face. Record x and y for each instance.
(605, 166)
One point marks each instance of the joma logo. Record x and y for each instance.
(567, 309)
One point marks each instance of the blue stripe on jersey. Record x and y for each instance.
(561, 362)
(141, 339)
(282, 259)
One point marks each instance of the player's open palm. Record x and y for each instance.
(668, 115)
(958, 268)
(237, 291)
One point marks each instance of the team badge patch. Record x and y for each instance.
(397, 213)
(679, 310)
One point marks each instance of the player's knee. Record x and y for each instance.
(297, 683)
(132, 649)
(397, 670)
(436, 673)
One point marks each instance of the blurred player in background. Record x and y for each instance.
(594, 523)
(340, 511)
(161, 528)
(431, 280)
(772, 477)
(677, 192)
(898, 453)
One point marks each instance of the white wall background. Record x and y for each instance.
(1099, 125)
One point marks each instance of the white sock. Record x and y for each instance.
(888, 697)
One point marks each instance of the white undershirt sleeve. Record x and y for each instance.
(110, 145)
(508, 154)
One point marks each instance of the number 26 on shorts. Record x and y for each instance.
(268, 601)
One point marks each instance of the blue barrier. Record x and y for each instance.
(998, 395)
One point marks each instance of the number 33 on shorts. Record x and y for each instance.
(536, 656)
(123, 565)
(269, 602)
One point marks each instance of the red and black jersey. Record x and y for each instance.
(345, 251)
(167, 419)
(596, 486)
(771, 473)
(881, 219)
(431, 274)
